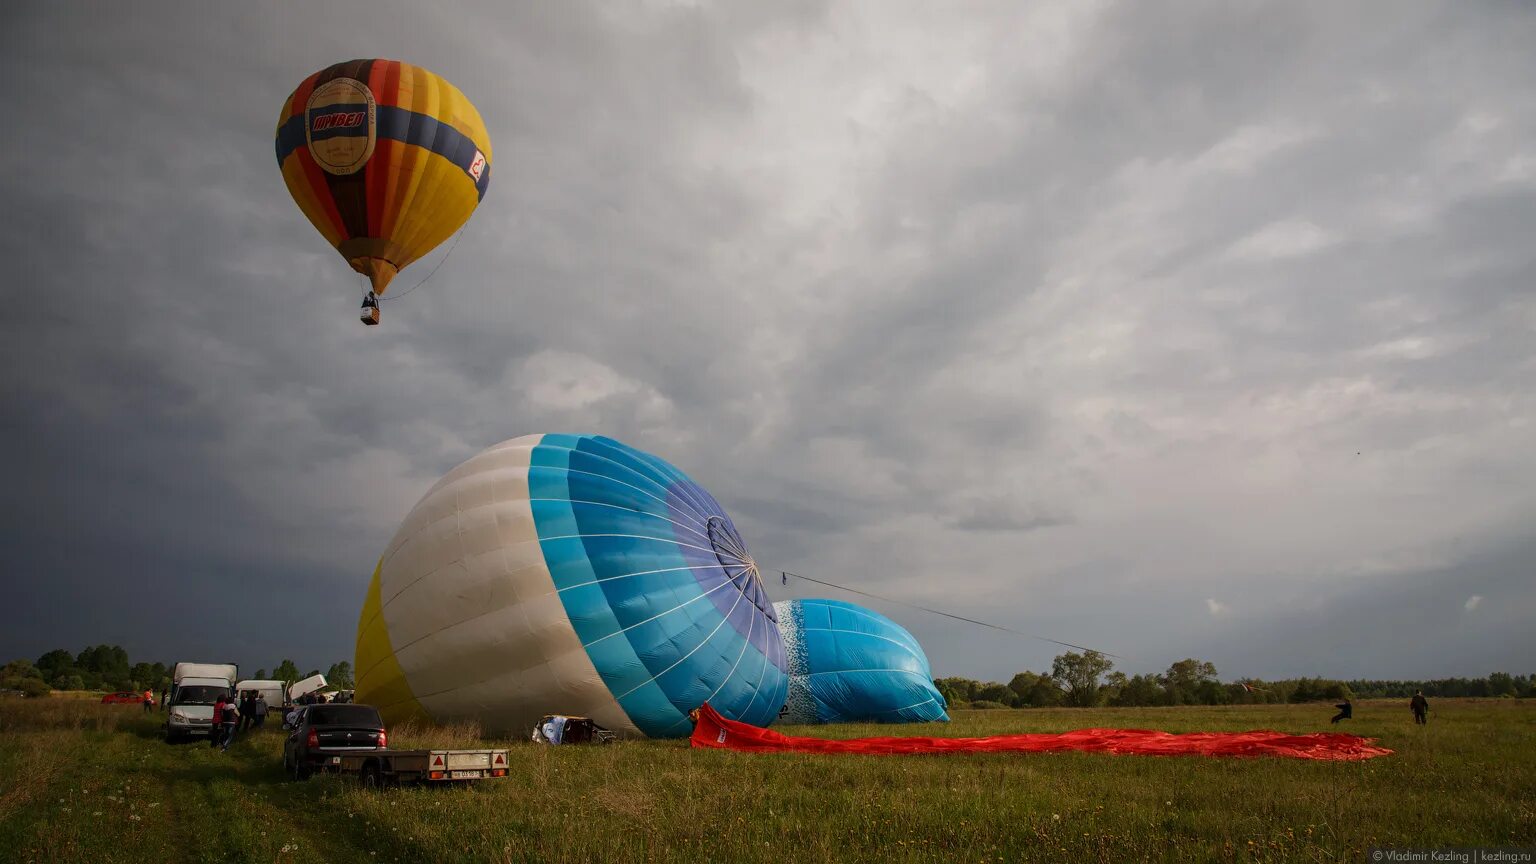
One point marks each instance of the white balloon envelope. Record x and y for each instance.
(569, 574)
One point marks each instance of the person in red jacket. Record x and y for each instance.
(217, 728)
(149, 701)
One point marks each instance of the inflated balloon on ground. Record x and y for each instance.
(852, 664)
(569, 574)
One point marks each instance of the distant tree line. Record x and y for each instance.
(106, 667)
(1089, 679)
(1497, 684)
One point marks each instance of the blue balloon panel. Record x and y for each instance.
(851, 664)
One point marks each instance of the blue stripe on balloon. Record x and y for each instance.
(396, 124)
(601, 610)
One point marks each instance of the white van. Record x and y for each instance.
(194, 689)
(271, 691)
(312, 684)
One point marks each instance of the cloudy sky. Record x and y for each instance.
(1173, 330)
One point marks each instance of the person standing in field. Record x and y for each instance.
(149, 701)
(164, 697)
(258, 710)
(1420, 707)
(1346, 711)
(247, 714)
(230, 719)
(218, 717)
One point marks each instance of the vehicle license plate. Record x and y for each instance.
(466, 775)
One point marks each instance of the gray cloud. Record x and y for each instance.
(1074, 317)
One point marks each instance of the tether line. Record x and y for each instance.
(787, 574)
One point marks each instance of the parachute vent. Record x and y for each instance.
(738, 564)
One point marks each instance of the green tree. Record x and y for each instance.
(70, 682)
(1502, 684)
(992, 691)
(1079, 674)
(957, 691)
(56, 663)
(1213, 693)
(261, 675)
(22, 675)
(1035, 690)
(286, 672)
(340, 675)
(1023, 684)
(1140, 691)
(104, 666)
(1184, 679)
(1114, 682)
(147, 674)
(20, 669)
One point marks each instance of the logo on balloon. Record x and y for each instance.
(343, 120)
(342, 125)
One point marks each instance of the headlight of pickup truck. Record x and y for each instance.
(179, 718)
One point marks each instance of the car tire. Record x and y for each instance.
(299, 772)
(172, 737)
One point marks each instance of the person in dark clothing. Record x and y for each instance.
(164, 694)
(1420, 707)
(231, 719)
(258, 711)
(1346, 711)
(247, 714)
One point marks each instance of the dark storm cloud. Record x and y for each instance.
(1072, 317)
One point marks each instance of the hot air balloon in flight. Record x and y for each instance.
(849, 664)
(571, 575)
(386, 159)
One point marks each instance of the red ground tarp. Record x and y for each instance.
(717, 732)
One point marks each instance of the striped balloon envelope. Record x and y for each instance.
(850, 664)
(385, 158)
(568, 574)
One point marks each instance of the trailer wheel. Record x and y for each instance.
(372, 775)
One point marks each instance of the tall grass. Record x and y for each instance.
(420, 736)
(30, 715)
(71, 786)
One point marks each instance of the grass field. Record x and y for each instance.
(94, 783)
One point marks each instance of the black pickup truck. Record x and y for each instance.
(350, 739)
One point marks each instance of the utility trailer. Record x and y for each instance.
(376, 768)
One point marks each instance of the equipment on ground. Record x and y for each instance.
(560, 729)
